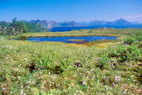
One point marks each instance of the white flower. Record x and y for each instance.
(83, 83)
(22, 92)
(117, 78)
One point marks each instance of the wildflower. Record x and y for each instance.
(77, 91)
(83, 83)
(22, 92)
(87, 77)
(117, 78)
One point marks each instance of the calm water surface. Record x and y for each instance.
(77, 40)
(62, 29)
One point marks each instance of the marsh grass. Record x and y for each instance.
(50, 68)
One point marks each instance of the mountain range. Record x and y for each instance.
(51, 24)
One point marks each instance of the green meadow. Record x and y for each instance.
(54, 68)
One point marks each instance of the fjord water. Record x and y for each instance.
(62, 29)
(73, 39)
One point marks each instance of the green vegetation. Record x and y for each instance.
(17, 27)
(51, 68)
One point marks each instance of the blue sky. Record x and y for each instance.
(68, 10)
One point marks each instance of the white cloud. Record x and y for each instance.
(137, 18)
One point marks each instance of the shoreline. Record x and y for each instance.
(25, 37)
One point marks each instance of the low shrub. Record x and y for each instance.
(138, 38)
(138, 72)
(129, 41)
(123, 53)
(103, 62)
(43, 62)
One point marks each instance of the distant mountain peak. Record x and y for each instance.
(50, 24)
(121, 21)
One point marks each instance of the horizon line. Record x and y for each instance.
(71, 20)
